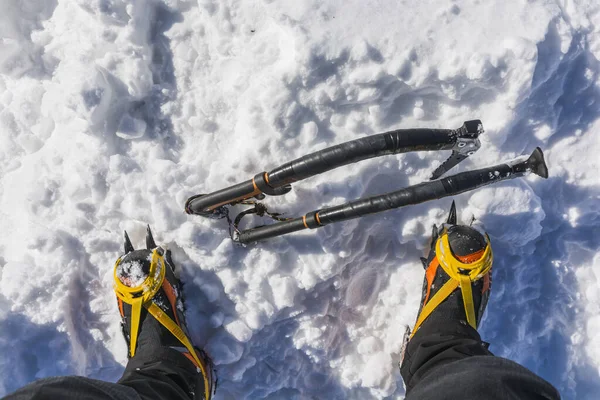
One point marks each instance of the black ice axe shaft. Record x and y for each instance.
(462, 141)
(416, 194)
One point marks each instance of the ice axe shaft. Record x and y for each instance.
(416, 194)
(462, 141)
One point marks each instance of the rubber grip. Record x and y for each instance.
(393, 142)
(205, 203)
(422, 192)
(269, 231)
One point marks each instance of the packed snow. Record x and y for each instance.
(114, 112)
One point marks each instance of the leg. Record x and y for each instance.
(445, 357)
(167, 374)
(150, 299)
(447, 360)
(73, 388)
(164, 374)
(164, 364)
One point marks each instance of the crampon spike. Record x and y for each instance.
(150, 244)
(127, 246)
(452, 215)
(434, 234)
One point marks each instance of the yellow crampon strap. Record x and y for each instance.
(139, 295)
(168, 323)
(461, 275)
(142, 295)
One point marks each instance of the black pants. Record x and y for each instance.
(445, 360)
(164, 374)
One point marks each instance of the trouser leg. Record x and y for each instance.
(446, 359)
(164, 374)
(73, 388)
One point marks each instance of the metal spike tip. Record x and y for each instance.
(150, 244)
(452, 215)
(128, 247)
(434, 235)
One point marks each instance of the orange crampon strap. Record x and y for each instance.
(141, 296)
(461, 275)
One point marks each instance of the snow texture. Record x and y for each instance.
(113, 112)
(131, 273)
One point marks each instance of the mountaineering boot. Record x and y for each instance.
(458, 274)
(150, 300)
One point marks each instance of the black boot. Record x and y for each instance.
(458, 274)
(150, 300)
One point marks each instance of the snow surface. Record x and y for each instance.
(131, 273)
(113, 112)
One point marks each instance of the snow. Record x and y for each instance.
(131, 273)
(113, 112)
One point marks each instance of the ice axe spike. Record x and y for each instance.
(150, 243)
(128, 247)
